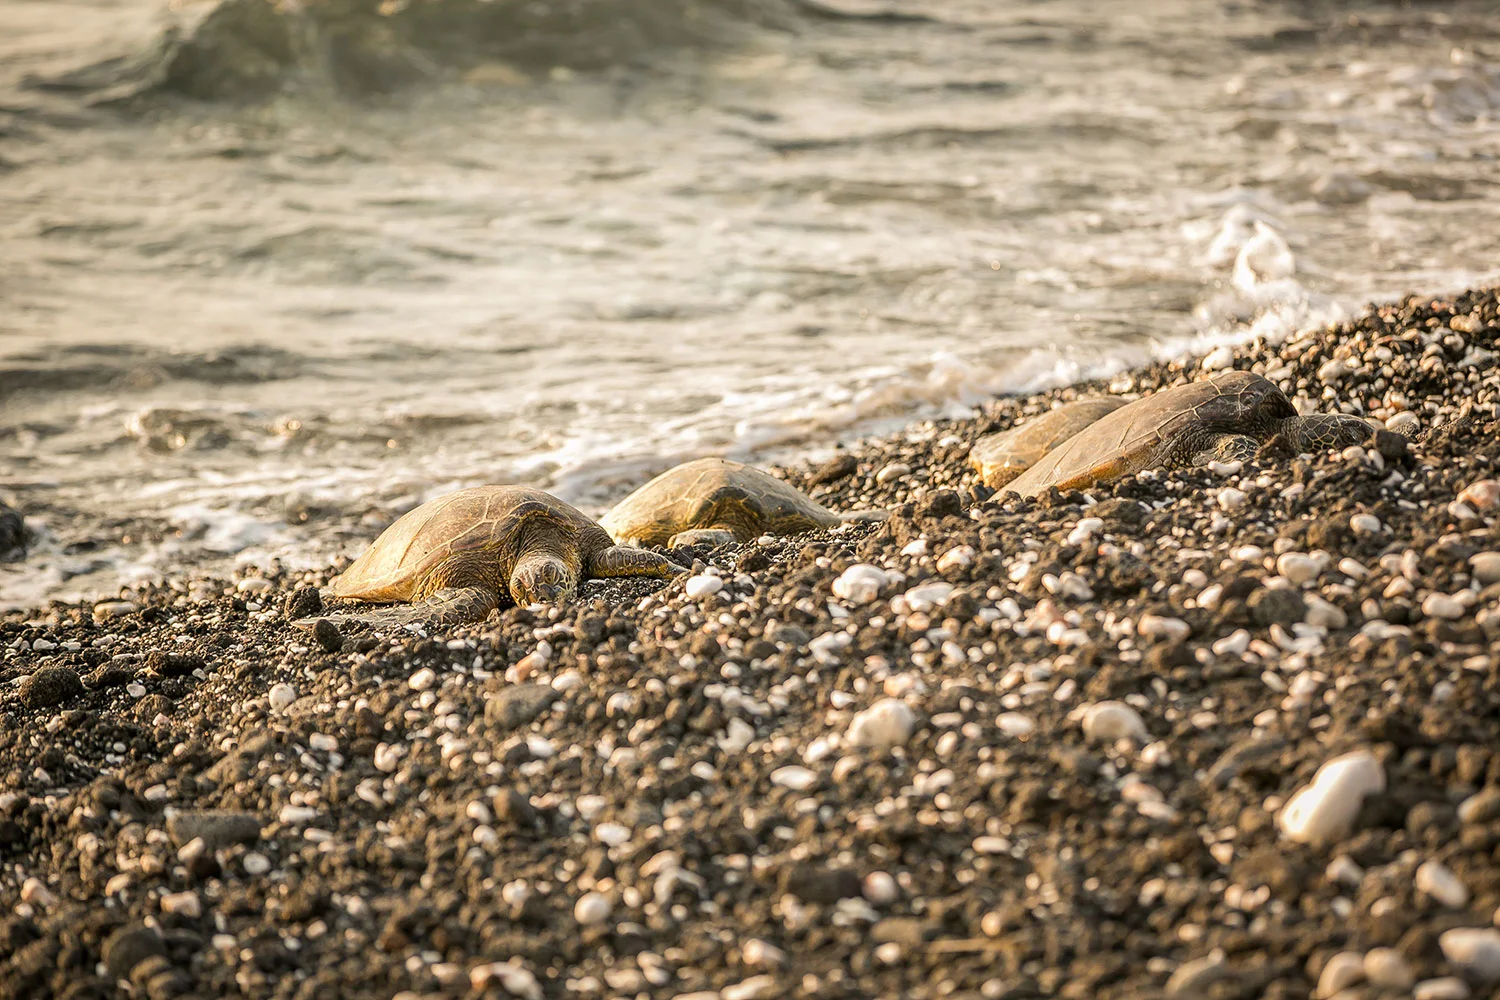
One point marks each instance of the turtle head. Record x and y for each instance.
(542, 580)
(1326, 431)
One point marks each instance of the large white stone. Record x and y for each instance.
(887, 723)
(1326, 809)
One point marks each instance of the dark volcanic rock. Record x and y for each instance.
(50, 686)
(218, 829)
(12, 532)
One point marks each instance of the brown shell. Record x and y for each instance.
(507, 520)
(1001, 457)
(710, 491)
(1123, 442)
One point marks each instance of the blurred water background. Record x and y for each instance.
(255, 302)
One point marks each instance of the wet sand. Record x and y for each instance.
(990, 749)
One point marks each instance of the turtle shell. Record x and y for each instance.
(1001, 457)
(403, 563)
(1128, 439)
(709, 492)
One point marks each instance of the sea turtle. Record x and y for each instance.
(717, 501)
(1224, 417)
(1001, 457)
(454, 558)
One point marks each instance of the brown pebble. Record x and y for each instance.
(51, 686)
(327, 635)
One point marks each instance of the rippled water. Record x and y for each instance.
(235, 332)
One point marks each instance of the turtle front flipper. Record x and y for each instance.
(622, 560)
(703, 536)
(449, 606)
(1325, 431)
(1227, 448)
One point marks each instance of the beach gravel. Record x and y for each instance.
(1150, 739)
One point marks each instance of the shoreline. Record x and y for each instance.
(1051, 748)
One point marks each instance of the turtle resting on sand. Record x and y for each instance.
(454, 558)
(1001, 457)
(1225, 417)
(717, 501)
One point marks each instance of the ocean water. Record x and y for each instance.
(237, 332)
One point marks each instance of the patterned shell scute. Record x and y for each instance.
(477, 518)
(1002, 456)
(1229, 402)
(669, 503)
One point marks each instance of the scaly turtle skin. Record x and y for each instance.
(1001, 457)
(454, 558)
(717, 501)
(1224, 417)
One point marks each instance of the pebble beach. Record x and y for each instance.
(1221, 733)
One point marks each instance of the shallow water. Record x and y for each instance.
(236, 333)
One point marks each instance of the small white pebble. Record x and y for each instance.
(1438, 881)
(592, 908)
(880, 888)
(1324, 614)
(1108, 721)
(798, 779)
(1481, 496)
(1230, 498)
(611, 834)
(956, 558)
(1475, 950)
(1442, 606)
(887, 723)
(1219, 358)
(1446, 988)
(1486, 567)
(1015, 724)
(702, 586)
(1365, 524)
(1401, 422)
(422, 680)
(185, 904)
(291, 815)
(1162, 627)
(1299, 567)
(762, 953)
(35, 891)
(1340, 972)
(281, 696)
(1325, 810)
(1233, 468)
(1086, 528)
(255, 863)
(895, 470)
(1387, 969)
(861, 583)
